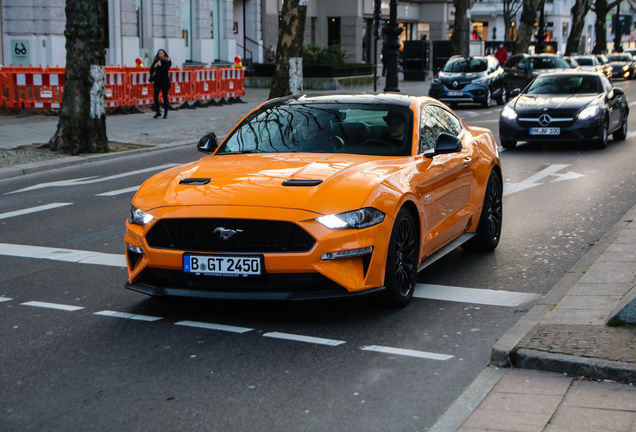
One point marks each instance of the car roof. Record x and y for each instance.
(348, 98)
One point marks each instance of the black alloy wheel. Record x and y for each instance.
(621, 133)
(488, 231)
(402, 261)
(602, 138)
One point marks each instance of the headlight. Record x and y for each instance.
(482, 80)
(362, 218)
(508, 113)
(139, 217)
(588, 112)
(625, 67)
(436, 81)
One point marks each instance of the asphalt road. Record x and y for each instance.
(80, 352)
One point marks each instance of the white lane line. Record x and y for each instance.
(127, 315)
(94, 179)
(5, 299)
(68, 255)
(119, 192)
(53, 306)
(211, 326)
(32, 210)
(406, 352)
(473, 295)
(301, 338)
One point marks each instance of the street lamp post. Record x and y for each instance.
(392, 44)
(617, 29)
(541, 32)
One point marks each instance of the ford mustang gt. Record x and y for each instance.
(565, 106)
(318, 196)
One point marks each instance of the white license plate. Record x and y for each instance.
(455, 93)
(223, 265)
(545, 131)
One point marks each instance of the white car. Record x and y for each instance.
(589, 63)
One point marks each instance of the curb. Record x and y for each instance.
(64, 162)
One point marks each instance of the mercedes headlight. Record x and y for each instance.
(138, 216)
(508, 113)
(362, 218)
(588, 112)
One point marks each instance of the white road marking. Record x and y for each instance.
(473, 295)
(301, 338)
(53, 306)
(530, 182)
(127, 315)
(210, 326)
(5, 299)
(90, 180)
(32, 210)
(406, 352)
(119, 192)
(67, 255)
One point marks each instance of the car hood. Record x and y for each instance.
(322, 183)
(460, 76)
(527, 102)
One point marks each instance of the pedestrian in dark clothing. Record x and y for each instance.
(159, 72)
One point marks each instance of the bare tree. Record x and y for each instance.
(291, 33)
(82, 124)
(579, 11)
(601, 8)
(526, 25)
(510, 10)
(460, 35)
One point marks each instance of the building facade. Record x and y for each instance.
(203, 32)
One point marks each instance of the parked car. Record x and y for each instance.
(607, 66)
(315, 197)
(520, 69)
(478, 79)
(589, 63)
(623, 65)
(565, 106)
(570, 61)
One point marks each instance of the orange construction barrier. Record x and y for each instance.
(139, 88)
(232, 80)
(181, 90)
(32, 87)
(206, 84)
(116, 87)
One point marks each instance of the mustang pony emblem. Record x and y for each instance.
(226, 233)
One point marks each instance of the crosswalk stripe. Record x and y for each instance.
(211, 326)
(301, 338)
(67, 255)
(473, 295)
(69, 308)
(126, 315)
(406, 352)
(33, 210)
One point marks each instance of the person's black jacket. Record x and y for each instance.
(162, 77)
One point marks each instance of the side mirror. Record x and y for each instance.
(208, 143)
(446, 143)
(618, 91)
(515, 92)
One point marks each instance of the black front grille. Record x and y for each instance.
(229, 235)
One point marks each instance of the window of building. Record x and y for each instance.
(333, 31)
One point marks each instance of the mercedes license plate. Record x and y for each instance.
(545, 131)
(223, 265)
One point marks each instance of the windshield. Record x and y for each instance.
(565, 85)
(585, 61)
(324, 128)
(620, 57)
(466, 65)
(552, 62)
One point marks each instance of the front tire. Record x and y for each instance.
(401, 261)
(508, 144)
(488, 101)
(602, 140)
(621, 133)
(488, 231)
(504, 97)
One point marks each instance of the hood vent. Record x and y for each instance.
(301, 182)
(195, 181)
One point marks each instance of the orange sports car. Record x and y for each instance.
(318, 196)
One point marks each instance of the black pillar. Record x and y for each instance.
(618, 29)
(377, 17)
(392, 44)
(541, 33)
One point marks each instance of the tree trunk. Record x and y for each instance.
(461, 34)
(510, 9)
(601, 8)
(82, 124)
(579, 10)
(291, 33)
(526, 26)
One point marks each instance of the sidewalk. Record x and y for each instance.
(569, 370)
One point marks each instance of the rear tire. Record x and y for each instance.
(488, 231)
(401, 261)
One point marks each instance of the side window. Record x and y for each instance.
(433, 121)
